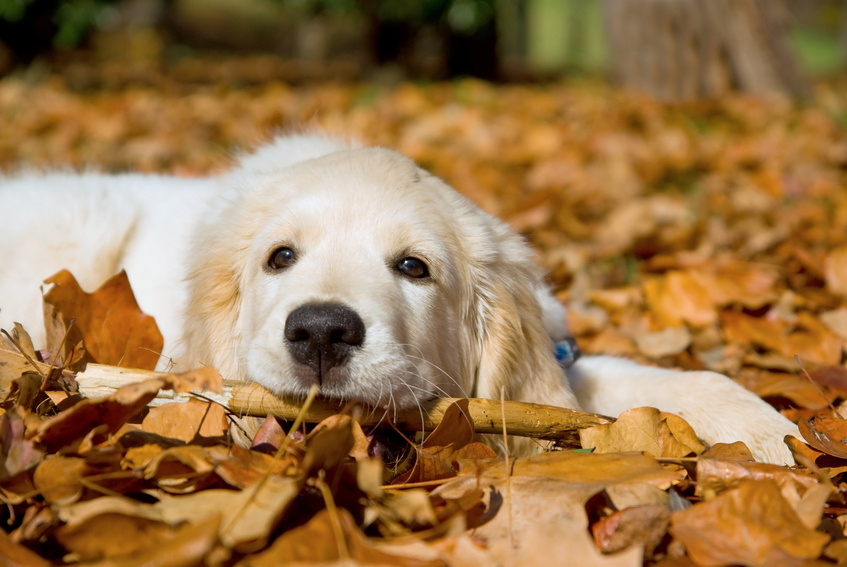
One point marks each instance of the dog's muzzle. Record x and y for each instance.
(323, 336)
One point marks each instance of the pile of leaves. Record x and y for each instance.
(109, 479)
(709, 235)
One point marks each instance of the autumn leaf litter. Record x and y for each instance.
(701, 236)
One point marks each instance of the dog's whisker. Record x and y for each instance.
(423, 359)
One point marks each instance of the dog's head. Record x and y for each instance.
(361, 273)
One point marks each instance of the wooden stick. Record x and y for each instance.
(246, 398)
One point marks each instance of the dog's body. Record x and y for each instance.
(314, 262)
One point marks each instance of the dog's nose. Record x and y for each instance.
(322, 335)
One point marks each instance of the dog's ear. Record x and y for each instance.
(515, 348)
(214, 299)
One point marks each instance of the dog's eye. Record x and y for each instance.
(281, 258)
(413, 268)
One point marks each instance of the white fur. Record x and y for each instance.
(196, 251)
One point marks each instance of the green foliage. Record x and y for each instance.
(13, 10)
(73, 19)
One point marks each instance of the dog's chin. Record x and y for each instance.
(343, 385)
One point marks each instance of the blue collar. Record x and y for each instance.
(567, 352)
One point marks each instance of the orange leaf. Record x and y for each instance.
(196, 421)
(109, 321)
(678, 298)
(438, 455)
(748, 525)
(321, 541)
(826, 434)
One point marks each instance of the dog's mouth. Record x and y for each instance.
(391, 447)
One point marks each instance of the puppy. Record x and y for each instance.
(317, 262)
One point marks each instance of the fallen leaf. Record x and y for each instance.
(836, 321)
(113, 328)
(112, 411)
(450, 441)
(679, 298)
(14, 555)
(113, 535)
(608, 469)
(16, 453)
(182, 469)
(643, 526)
(835, 270)
(666, 342)
(745, 526)
(736, 451)
(715, 476)
(196, 421)
(247, 516)
(188, 546)
(826, 434)
(342, 541)
(59, 479)
(643, 429)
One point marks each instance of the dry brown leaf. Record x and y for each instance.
(244, 467)
(644, 429)
(113, 328)
(113, 535)
(59, 479)
(835, 270)
(736, 451)
(328, 443)
(442, 450)
(794, 387)
(14, 555)
(247, 516)
(188, 546)
(534, 518)
(610, 341)
(608, 469)
(736, 283)
(716, 476)
(340, 538)
(196, 421)
(112, 411)
(826, 434)
(16, 453)
(679, 298)
(13, 362)
(666, 342)
(812, 342)
(402, 510)
(836, 321)
(746, 526)
(269, 436)
(181, 470)
(638, 525)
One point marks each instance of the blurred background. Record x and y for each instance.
(674, 50)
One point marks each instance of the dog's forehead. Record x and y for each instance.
(357, 196)
(378, 172)
(366, 183)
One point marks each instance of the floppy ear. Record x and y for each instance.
(214, 297)
(515, 348)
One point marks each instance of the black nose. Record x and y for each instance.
(323, 335)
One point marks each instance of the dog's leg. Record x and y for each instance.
(717, 408)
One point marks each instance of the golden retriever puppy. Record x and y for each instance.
(314, 262)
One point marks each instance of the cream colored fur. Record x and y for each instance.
(197, 252)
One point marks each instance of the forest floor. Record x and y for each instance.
(708, 235)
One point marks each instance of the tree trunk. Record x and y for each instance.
(686, 49)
